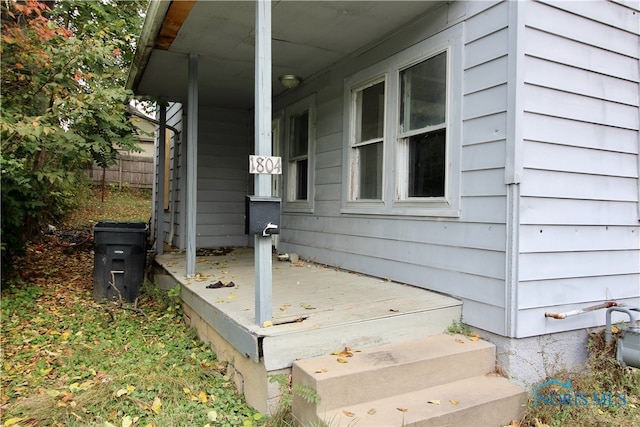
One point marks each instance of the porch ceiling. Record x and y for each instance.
(307, 37)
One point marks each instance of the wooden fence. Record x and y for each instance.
(129, 171)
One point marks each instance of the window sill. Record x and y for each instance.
(402, 208)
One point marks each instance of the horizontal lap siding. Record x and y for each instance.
(464, 257)
(579, 235)
(223, 150)
(176, 171)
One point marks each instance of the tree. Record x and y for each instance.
(64, 64)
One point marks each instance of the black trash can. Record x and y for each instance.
(119, 260)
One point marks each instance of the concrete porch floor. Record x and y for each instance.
(316, 309)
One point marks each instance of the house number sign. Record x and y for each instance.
(269, 165)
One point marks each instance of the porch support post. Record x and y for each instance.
(159, 196)
(262, 245)
(192, 164)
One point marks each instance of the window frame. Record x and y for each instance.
(289, 190)
(355, 145)
(396, 147)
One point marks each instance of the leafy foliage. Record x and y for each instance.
(63, 104)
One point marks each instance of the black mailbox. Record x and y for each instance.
(262, 215)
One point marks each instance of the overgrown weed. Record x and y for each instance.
(602, 376)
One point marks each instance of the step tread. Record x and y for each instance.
(471, 405)
(394, 354)
(406, 367)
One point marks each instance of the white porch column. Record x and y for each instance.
(159, 197)
(262, 245)
(192, 164)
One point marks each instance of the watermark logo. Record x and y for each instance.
(556, 393)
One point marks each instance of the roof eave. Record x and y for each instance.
(153, 22)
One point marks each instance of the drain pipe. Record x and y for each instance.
(566, 314)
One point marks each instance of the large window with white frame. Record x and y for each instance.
(299, 135)
(422, 130)
(404, 132)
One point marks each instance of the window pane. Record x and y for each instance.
(370, 112)
(301, 179)
(370, 171)
(424, 92)
(427, 164)
(299, 134)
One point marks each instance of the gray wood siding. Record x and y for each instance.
(577, 230)
(223, 152)
(174, 119)
(579, 236)
(462, 256)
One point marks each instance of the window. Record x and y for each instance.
(299, 155)
(367, 145)
(404, 133)
(423, 114)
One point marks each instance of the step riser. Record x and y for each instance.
(402, 378)
(497, 412)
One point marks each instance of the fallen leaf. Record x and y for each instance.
(267, 323)
(186, 390)
(212, 416)
(459, 341)
(321, 371)
(341, 360)
(434, 402)
(348, 413)
(371, 411)
(402, 409)
(614, 329)
(12, 421)
(307, 306)
(156, 405)
(541, 424)
(127, 421)
(453, 402)
(203, 397)
(284, 307)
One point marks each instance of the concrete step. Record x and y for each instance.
(389, 371)
(392, 369)
(478, 401)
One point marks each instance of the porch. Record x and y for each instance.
(317, 309)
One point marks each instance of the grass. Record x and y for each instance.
(69, 361)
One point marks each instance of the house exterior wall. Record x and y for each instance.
(549, 208)
(579, 238)
(547, 157)
(223, 152)
(464, 256)
(222, 178)
(174, 217)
